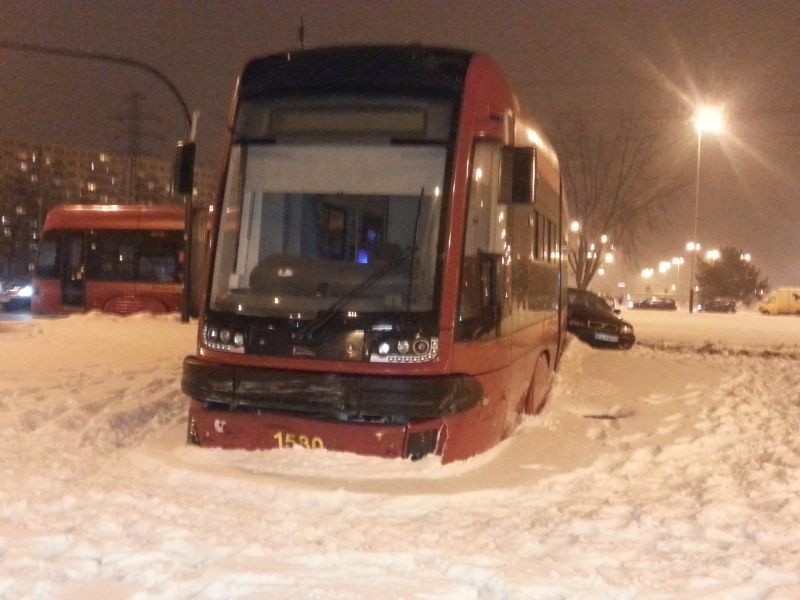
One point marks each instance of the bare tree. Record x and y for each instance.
(617, 182)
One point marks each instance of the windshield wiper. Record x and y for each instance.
(325, 316)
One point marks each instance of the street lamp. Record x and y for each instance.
(707, 119)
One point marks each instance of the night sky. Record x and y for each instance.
(564, 58)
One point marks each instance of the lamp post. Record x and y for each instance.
(707, 119)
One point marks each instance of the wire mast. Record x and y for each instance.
(301, 34)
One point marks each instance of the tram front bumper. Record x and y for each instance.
(265, 431)
(253, 408)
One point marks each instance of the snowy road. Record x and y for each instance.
(669, 471)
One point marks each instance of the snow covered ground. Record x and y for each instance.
(669, 471)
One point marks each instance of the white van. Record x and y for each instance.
(783, 301)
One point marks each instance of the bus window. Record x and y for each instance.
(47, 257)
(111, 256)
(158, 256)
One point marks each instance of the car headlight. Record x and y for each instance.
(25, 291)
(626, 329)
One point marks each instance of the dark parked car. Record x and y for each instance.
(727, 305)
(656, 303)
(16, 294)
(590, 319)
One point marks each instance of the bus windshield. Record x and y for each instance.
(310, 226)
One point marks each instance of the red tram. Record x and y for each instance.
(388, 267)
(118, 259)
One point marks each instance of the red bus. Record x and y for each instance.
(118, 259)
(387, 273)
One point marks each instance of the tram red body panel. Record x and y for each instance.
(115, 216)
(47, 297)
(458, 437)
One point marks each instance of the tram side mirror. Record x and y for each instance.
(517, 175)
(183, 174)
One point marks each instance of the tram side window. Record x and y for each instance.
(110, 255)
(151, 256)
(477, 317)
(158, 256)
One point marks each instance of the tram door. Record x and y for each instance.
(73, 288)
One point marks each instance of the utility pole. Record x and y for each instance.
(133, 119)
(301, 33)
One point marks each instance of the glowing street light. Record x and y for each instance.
(712, 255)
(707, 119)
(575, 227)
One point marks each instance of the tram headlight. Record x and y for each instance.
(403, 351)
(421, 346)
(223, 339)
